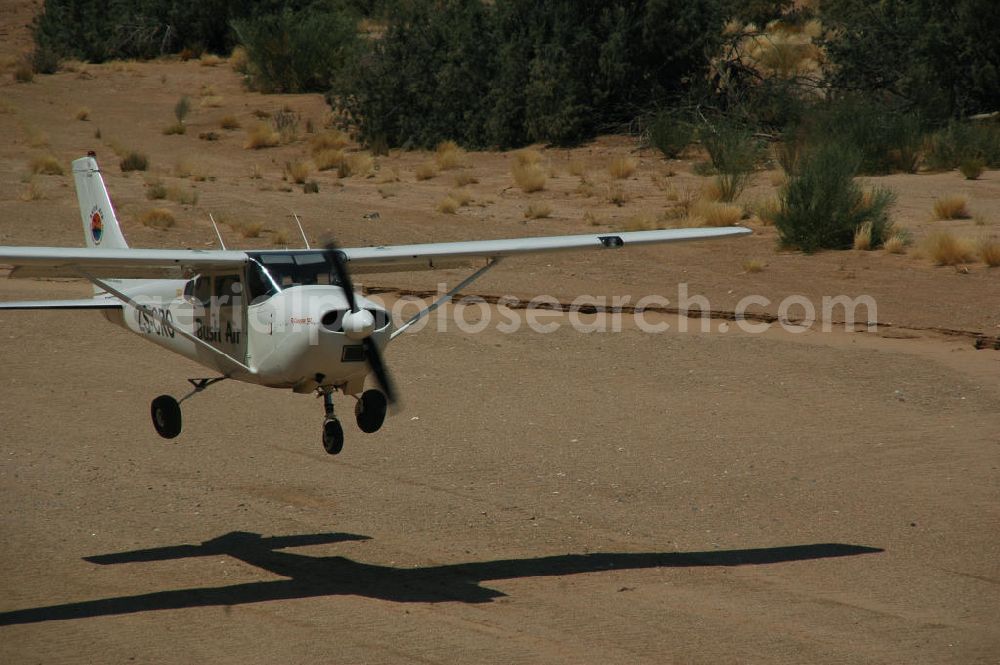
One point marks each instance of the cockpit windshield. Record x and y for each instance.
(271, 272)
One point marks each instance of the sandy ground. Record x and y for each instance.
(561, 498)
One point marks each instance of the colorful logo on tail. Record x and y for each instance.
(96, 226)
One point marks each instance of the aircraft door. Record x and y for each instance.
(221, 318)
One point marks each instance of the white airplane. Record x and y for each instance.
(277, 318)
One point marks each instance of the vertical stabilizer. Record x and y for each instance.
(100, 226)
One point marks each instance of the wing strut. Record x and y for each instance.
(163, 320)
(445, 298)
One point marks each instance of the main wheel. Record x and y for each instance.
(370, 411)
(166, 414)
(333, 436)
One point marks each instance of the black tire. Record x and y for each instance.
(166, 414)
(333, 436)
(370, 411)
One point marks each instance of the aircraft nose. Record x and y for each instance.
(355, 325)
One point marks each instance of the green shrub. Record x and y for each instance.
(182, 108)
(670, 133)
(972, 168)
(886, 139)
(963, 141)
(822, 206)
(134, 161)
(734, 152)
(938, 57)
(511, 72)
(298, 51)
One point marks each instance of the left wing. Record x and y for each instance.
(115, 263)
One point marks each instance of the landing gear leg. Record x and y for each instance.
(333, 432)
(166, 411)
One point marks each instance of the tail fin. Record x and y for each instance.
(100, 226)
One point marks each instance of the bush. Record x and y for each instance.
(298, 51)
(822, 206)
(157, 218)
(937, 57)
(133, 161)
(734, 152)
(972, 168)
(512, 72)
(963, 141)
(886, 139)
(46, 165)
(670, 134)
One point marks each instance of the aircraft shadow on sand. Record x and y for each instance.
(309, 577)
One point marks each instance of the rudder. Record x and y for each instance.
(100, 225)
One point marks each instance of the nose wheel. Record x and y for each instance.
(370, 411)
(333, 436)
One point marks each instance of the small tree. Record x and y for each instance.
(822, 206)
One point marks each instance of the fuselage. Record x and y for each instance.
(288, 336)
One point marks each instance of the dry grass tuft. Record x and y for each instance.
(229, 122)
(158, 218)
(946, 250)
(46, 165)
(329, 140)
(448, 206)
(211, 101)
(280, 238)
(592, 219)
(767, 211)
(176, 129)
(642, 222)
(897, 243)
(623, 167)
(82, 114)
(261, 135)
(247, 229)
(463, 196)
(426, 171)
(23, 73)
(449, 156)
(133, 160)
(577, 167)
(36, 137)
(463, 179)
(527, 156)
(188, 168)
(298, 171)
(952, 207)
(863, 237)
(989, 251)
(326, 160)
(616, 193)
(210, 60)
(717, 214)
(385, 176)
(712, 191)
(239, 60)
(753, 266)
(538, 210)
(360, 164)
(31, 192)
(529, 176)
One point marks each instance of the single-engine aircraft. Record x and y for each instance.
(278, 318)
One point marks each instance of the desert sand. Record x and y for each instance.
(699, 497)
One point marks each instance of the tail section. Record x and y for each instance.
(100, 226)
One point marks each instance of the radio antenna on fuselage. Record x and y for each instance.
(301, 230)
(217, 234)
